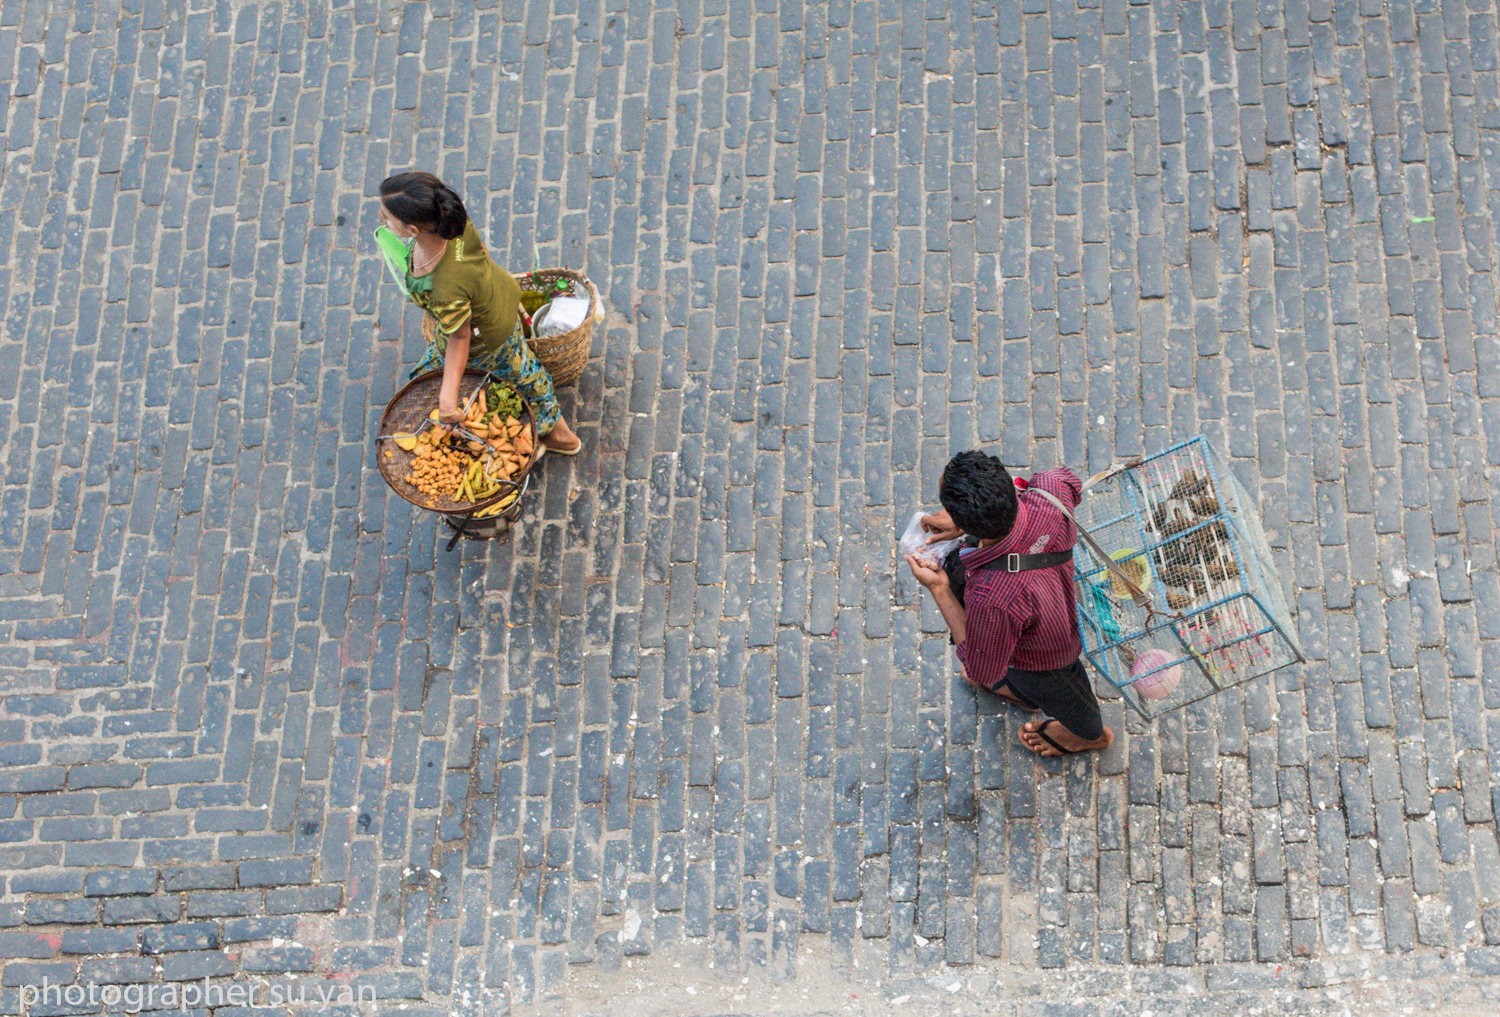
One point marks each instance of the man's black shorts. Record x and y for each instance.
(1064, 693)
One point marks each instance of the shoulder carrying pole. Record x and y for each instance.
(1136, 593)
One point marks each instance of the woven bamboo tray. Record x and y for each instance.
(408, 410)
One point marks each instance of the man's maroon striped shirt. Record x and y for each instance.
(1025, 620)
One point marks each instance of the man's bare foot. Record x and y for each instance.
(562, 440)
(1049, 738)
(1011, 699)
(999, 690)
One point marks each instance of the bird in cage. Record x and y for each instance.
(1191, 486)
(1184, 577)
(1222, 569)
(1177, 515)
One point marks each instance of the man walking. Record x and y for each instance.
(1015, 624)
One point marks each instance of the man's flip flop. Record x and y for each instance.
(1041, 733)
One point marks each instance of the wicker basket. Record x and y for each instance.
(565, 355)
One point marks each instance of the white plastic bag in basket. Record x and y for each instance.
(563, 314)
(914, 542)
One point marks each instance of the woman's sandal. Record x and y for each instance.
(543, 449)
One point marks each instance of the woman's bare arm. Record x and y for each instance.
(455, 358)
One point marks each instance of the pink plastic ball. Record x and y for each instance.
(1161, 683)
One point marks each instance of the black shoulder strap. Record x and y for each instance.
(1028, 562)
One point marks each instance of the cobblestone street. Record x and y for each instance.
(256, 721)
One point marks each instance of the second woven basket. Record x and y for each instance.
(565, 354)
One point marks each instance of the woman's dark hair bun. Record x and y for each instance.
(452, 217)
(423, 200)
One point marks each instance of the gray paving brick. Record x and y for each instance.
(111, 883)
(190, 936)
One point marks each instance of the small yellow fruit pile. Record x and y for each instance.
(437, 465)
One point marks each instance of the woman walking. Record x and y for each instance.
(433, 250)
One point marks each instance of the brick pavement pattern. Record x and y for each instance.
(256, 720)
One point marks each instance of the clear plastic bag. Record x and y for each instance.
(914, 542)
(598, 304)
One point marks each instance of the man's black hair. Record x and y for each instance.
(979, 494)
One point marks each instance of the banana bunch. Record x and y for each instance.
(477, 485)
(497, 508)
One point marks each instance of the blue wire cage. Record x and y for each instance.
(1186, 532)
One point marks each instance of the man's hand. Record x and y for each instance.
(940, 526)
(936, 580)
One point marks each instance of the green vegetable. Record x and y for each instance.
(503, 401)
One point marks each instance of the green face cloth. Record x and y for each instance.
(398, 260)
